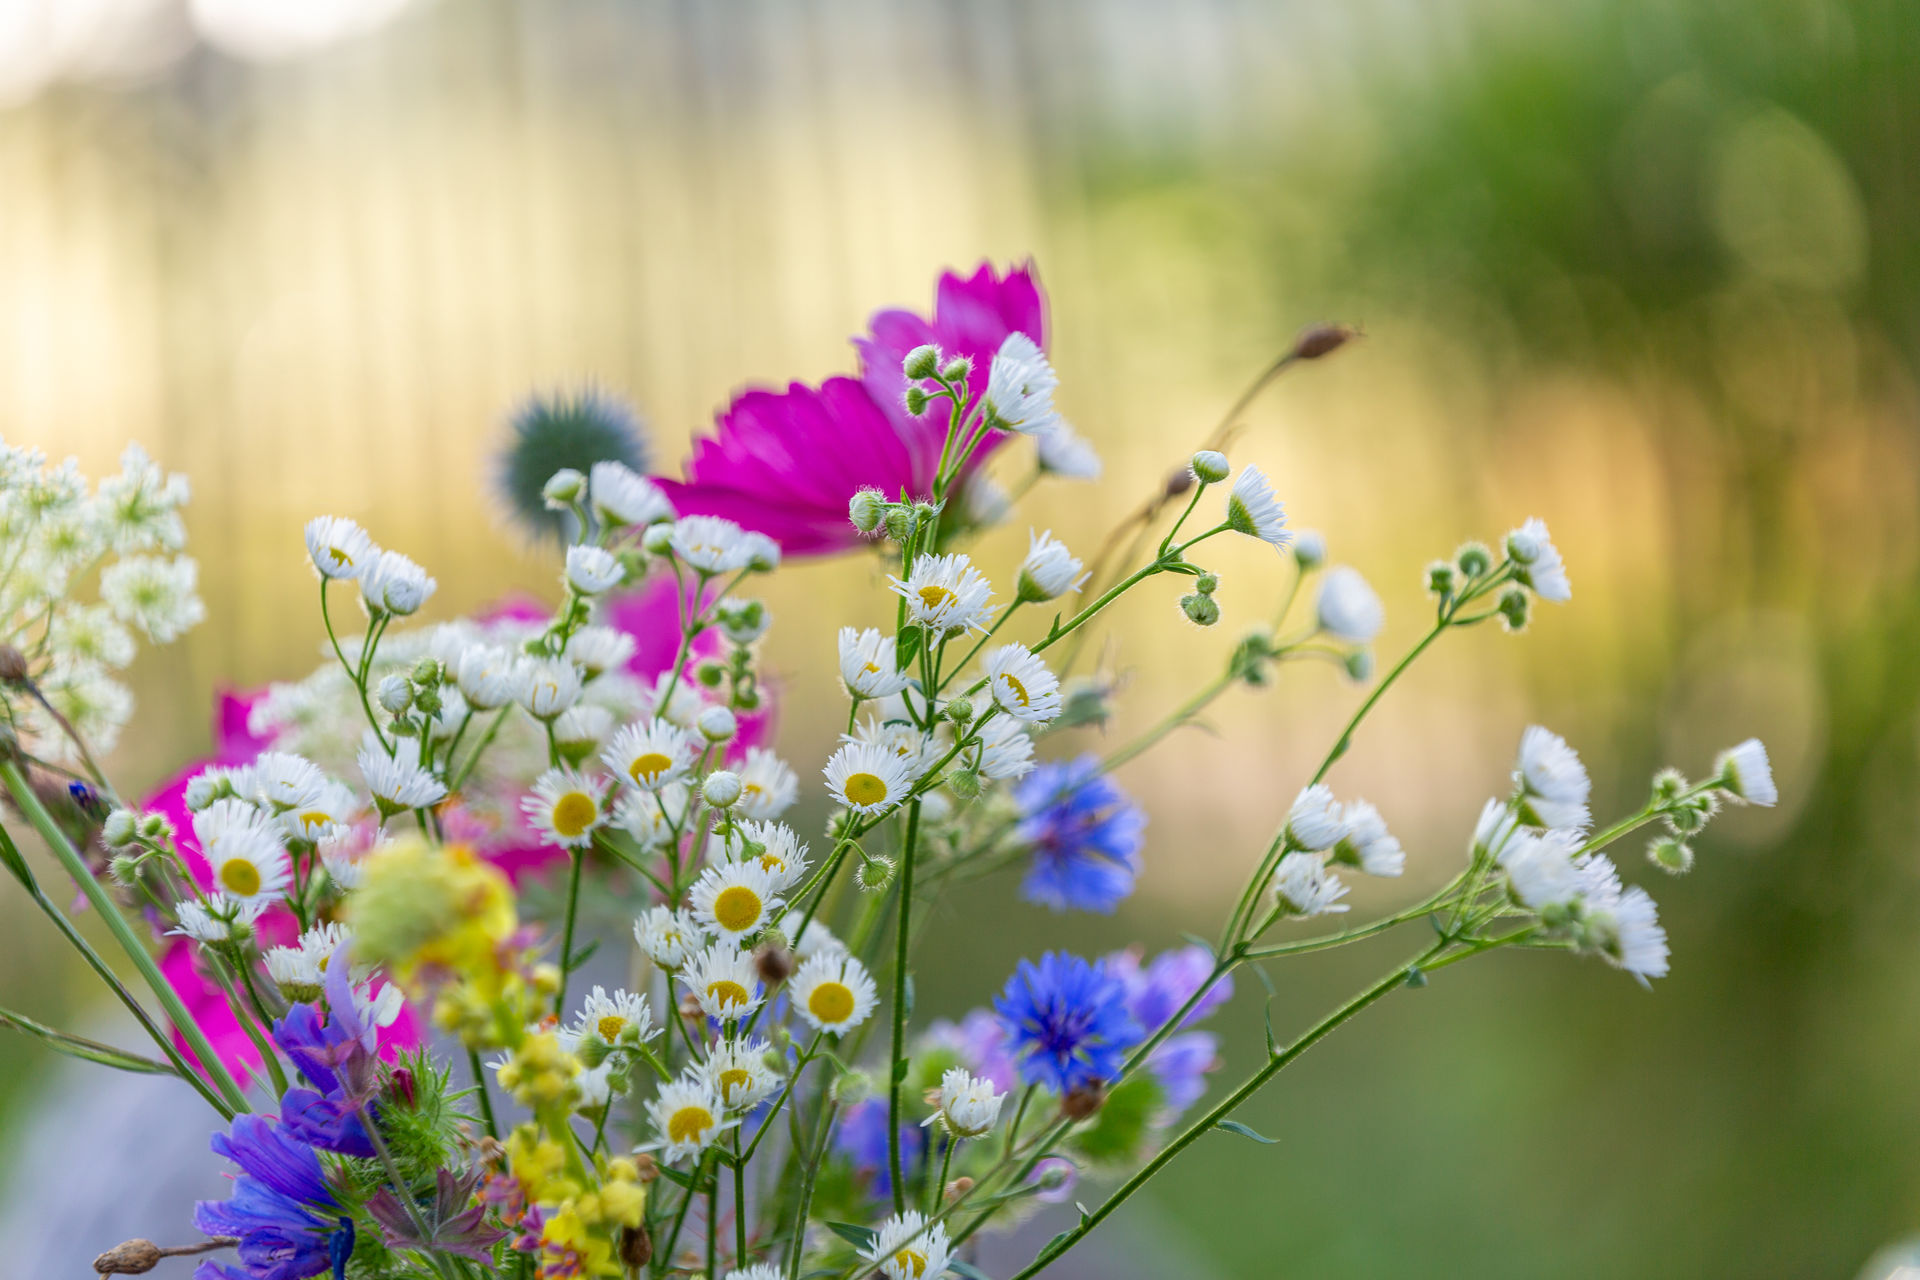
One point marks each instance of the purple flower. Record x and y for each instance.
(1066, 1021)
(1181, 1064)
(1085, 833)
(455, 1221)
(1156, 991)
(335, 1054)
(282, 1211)
(981, 1042)
(861, 1137)
(786, 463)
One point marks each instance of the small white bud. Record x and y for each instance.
(1209, 466)
(658, 539)
(716, 724)
(1309, 549)
(395, 694)
(563, 488)
(118, 830)
(721, 788)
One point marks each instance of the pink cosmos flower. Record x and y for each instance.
(786, 463)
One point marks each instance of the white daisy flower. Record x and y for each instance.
(1495, 827)
(339, 547)
(395, 584)
(1022, 685)
(834, 993)
(650, 816)
(596, 649)
(214, 920)
(758, 1271)
(668, 937)
(592, 570)
(866, 777)
(296, 971)
(1626, 932)
(1540, 566)
(724, 982)
(565, 808)
(1540, 869)
(546, 687)
(487, 677)
(1253, 510)
(332, 804)
(908, 1247)
(1348, 608)
(733, 899)
(283, 781)
(814, 940)
(915, 748)
(1004, 749)
(397, 784)
(687, 1116)
(968, 1105)
(711, 545)
(1303, 886)
(738, 1074)
(759, 552)
(619, 1020)
(867, 663)
(581, 728)
(1315, 821)
(946, 593)
(1746, 775)
(768, 785)
(783, 857)
(651, 754)
(249, 864)
(618, 496)
(1367, 844)
(160, 597)
(1020, 387)
(1064, 452)
(1553, 783)
(1049, 570)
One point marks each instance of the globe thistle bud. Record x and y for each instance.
(866, 509)
(1671, 854)
(563, 489)
(959, 710)
(957, 369)
(717, 724)
(1201, 610)
(658, 538)
(1441, 578)
(916, 400)
(1359, 665)
(1474, 559)
(118, 831)
(1515, 605)
(921, 362)
(1210, 466)
(395, 695)
(1309, 549)
(875, 874)
(964, 783)
(1207, 583)
(721, 789)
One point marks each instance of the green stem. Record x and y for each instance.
(566, 933)
(740, 1203)
(479, 749)
(486, 1098)
(894, 1061)
(1181, 714)
(807, 1179)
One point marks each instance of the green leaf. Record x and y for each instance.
(1055, 1247)
(676, 1177)
(1234, 1126)
(1194, 939)
(581, 956)
(86, 1050)
(858, 1237)
(966, 1270)
(905, 647)
(1273, 1046)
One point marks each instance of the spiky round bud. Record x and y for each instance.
(118, 831)
(395, 694)
(1207, 583)
(875, 874)
(1473, 558)
(921, 362)
(899, 523)
(717, 724)
(964, 783)
(1442, 577)
(866, 509)
(1201, 610)
(958, 369)
(960, 710)
(1668, 786)
(1671, 855)
(1515, 606)
(721, 789)
(916, 400)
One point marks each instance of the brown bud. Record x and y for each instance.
(13, 669)
(489, 1150)
(636, 1247)
(1178, 482)
(690, 1006)
(959, 1187)
(774, 964)
(134, 1258)
(1322, 340)
(646, 1166)
(1083, 1100)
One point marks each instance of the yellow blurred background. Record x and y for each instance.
(1646, 270)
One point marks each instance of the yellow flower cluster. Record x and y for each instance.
(540, 1073)
(581, 1223)
(430, 910)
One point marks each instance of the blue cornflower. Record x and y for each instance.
(285, 1216)
(1067, 1021)
(334, 1053)
(1085, 833)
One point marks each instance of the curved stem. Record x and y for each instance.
(895, 1065)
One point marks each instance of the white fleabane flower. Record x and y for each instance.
(140, 507)
(1495, 827)
(593, 1088)
(834, 993)
(592, 570)
(737, 1071)
(1626, 932)
(668, 937)
(1309, 549)
(331, 804)
(1049, 570)
(565, 808)
(158, 596)
(768, 785)
(867, 777)
(759, 552)
(1020, 387)
(868, 664)
(968, 1105)
(394, 584)
(781, 855)
(757, 1271)
(597, 649)
(619, 496)
(908, 1247)
(716, 724)
(249, 863)
(1302, 886)
(915, 748)
(339, 547)
(686, 1114)
(581, 728)
(1348, 607)
(723, 981)
(1540, 567)
(397, 784)
(1745, 773)
(651, 754)
(620, 1020)
(1367, 843)
(344, 852)
(546, 687)
(296, 971)
(1062, 451)
(946, 593)
(734, 899)
(1022, 685)
(1004, 749)
(710, 545)
(813, 940)
(486, 676)
(209, 923)
(1553, 783)
(281, 780)
(651, 816)
(1315, 820)
(1253, 510)
(1540, 869)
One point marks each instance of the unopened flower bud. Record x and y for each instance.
(428, 700)
(658, 539)
(921, 362)
(899, 523)
(426, 671)
(1322, 340)
(773, 962)
(721, 788)
(1083, 1101)
(916, 400)
(875, 874)
(1210, 466)
(1440, 578)
(1177, 483)
(1668, 785)
(957, 369)
(13, 664)
(636, 1244)
(122, 868)
(960, 1186)
(1474, 559)
(395, 694)
(1359, 665)
(1515, 605)
(1207, 583)
(401, 1087)
(1201, 610)
(710, 674)
(964, 783)
(155, 827)
(134, 1258)
(959, 710)
(1671, 855)
(866, 509)
(118, 830)
(717, 724)
(563, 489)
(1309, 549)
(850, 1088)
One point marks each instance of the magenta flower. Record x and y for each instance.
(786, 463)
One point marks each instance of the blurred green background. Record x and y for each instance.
(1647, 270)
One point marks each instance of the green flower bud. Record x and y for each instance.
(709, 674)
(964, 783)
(875, 874)
(1671, 855)
(122, 868)
(1474, 559)
(1210, 466)
(1360, 665)
(1515, 604)
(658, 539)
(916, 400)
(563, 489)
(118, 830)
(1668, 785)
(1201, 610)
(957, 369)
(425, 671)
(1207, 583)
(921, 362)
(959, 711)
(1440, 578)
(1309, 549)
(866, 509)
(899, 523)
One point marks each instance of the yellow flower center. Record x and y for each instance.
(864, 788)
(936, 597)
(726, 992)
(831, 1002)
(313, 818)
(736, 908)
(610, 1027)
(649, 766)
(341, 560)
(772, 863)
(735, 1079)
(240, 877)
(688, 1123)
(574, 813)
(873, 668)
(1019, 690)
(912, 1260)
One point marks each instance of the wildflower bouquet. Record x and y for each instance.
(345, 956)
